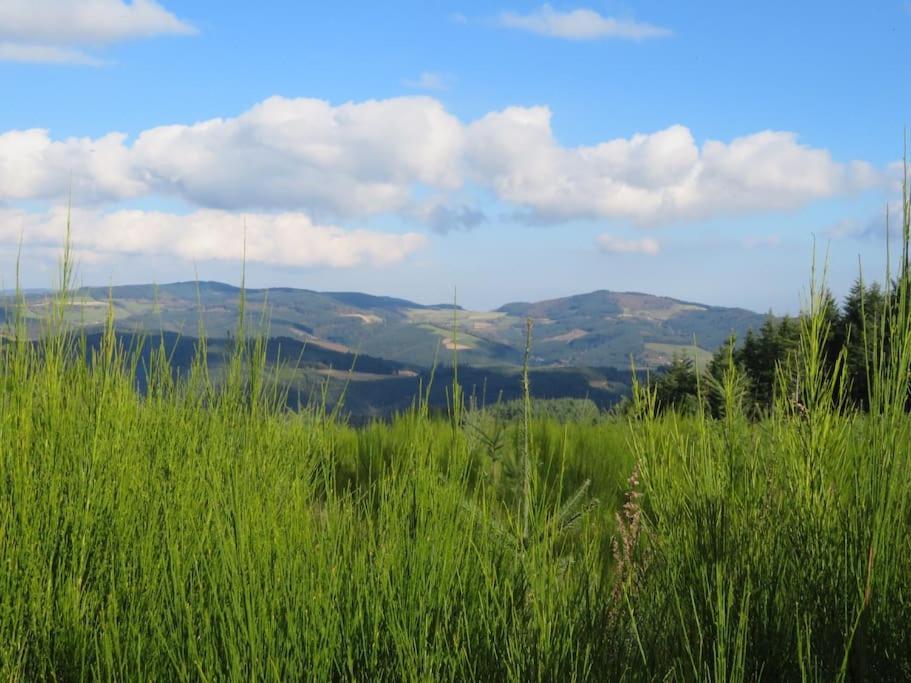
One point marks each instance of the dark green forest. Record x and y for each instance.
(760, 362)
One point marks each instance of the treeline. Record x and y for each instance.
(758, 359)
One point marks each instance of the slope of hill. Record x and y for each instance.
(601, 328)
(374, 387)
(609, 328)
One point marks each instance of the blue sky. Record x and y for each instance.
(514, 150)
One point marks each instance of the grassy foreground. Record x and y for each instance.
(202, 532)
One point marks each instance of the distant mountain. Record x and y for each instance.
(381, 349)
(607, 328)
(599, 329)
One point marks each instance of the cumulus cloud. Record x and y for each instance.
(33, 166)
(288, 239)
(612, 244)
(352, 159)
(579, 24)
(48, 31)
(652, 178)
(383, 156)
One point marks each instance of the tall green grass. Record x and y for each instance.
(200, 531)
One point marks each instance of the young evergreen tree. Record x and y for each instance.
(761, 359)
(854, 329)
(862, 318)
(835, 339)
(678, 387)
(725, 367)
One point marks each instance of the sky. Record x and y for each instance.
(489, 151)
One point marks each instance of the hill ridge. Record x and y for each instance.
(228, 287)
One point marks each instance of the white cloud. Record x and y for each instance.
(388, 156)
(85, 22)
(660, 177)
(618, 245)
(33, 166)
(428, 80)
(289, 239)
(580, 24)
(47, 31)
(353, 159)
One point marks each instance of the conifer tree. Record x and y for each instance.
(677, 388)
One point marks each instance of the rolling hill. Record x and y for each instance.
(582, 344)
(601, 328)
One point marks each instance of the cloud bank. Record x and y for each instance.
(287, 239)
(648, 179)
(301, 169)
(383, 156)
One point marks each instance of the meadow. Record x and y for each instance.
(199, 530)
